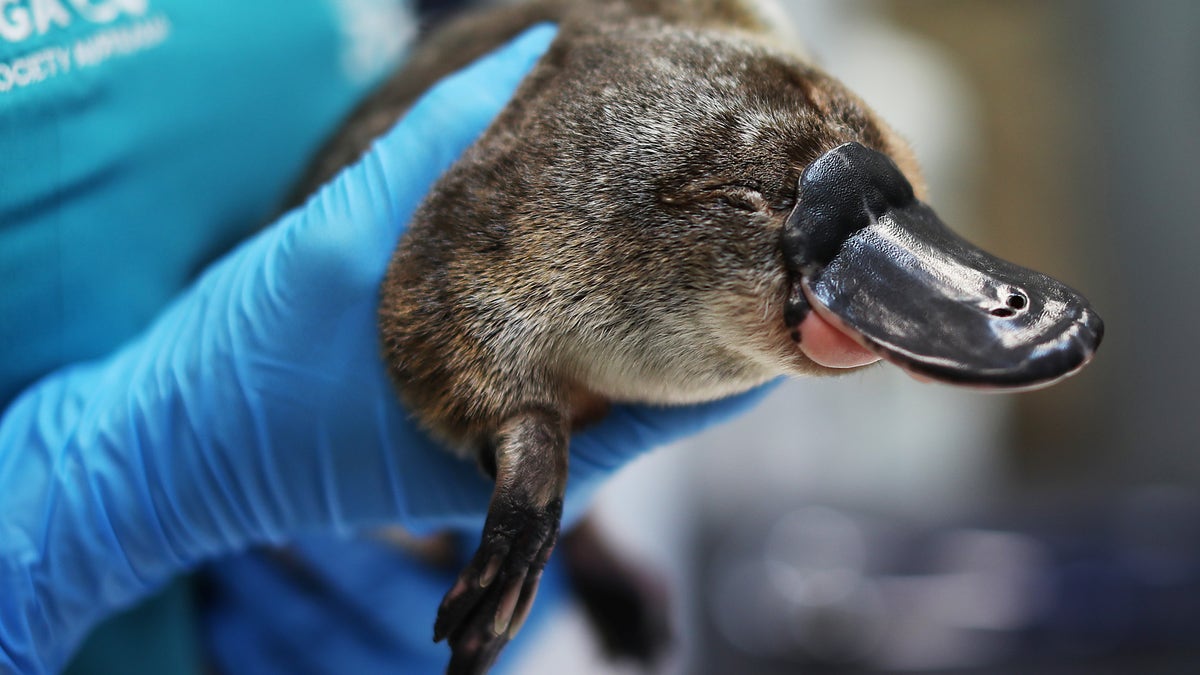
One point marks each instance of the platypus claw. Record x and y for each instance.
(491, 599)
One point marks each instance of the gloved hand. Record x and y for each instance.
(256, 408)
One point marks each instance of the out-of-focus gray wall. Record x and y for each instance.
(1137, 69)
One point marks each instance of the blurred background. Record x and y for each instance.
(875, 524)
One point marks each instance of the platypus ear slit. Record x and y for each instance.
(795, 309)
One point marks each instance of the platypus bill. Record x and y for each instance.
(881, 267)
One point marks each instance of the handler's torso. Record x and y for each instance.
(139, 139)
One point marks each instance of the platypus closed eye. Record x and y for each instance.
(741, 197)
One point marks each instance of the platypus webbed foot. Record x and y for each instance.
(493, 595)
(627, 603)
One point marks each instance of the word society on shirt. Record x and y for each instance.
(83, 52)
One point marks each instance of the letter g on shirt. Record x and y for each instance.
(22, 19)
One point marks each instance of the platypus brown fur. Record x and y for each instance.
(614, 236)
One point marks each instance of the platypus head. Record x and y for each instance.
(877, 264)
(709, 199)
(786, 157)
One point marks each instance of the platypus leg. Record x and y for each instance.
(626, 602)
(491, 599)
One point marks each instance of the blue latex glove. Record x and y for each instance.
(256, 408)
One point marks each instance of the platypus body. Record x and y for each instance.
(675, 207)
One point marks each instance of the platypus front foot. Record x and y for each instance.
(493, 595)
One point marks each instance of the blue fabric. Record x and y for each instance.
(171, 134)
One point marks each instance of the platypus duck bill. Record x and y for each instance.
(878, 266)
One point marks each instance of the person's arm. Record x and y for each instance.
(257, 407)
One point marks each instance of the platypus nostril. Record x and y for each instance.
(1015, 302)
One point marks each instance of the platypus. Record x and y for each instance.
(676, 206)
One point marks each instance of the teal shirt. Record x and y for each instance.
(139, 139)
